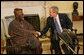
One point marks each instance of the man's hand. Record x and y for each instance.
(36, 34)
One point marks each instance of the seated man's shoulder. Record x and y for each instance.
(25, 21)
(13, 22)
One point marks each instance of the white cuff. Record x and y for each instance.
(39, 33)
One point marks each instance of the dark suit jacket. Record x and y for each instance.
(64, 20)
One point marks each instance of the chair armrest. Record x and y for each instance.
(7, 36)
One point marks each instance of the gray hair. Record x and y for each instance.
(55, 9)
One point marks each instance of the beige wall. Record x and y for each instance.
(38, 7)
(41, 8)
(29, 7)
(64, 6)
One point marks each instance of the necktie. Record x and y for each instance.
(57, 27)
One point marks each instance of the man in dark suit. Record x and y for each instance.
(58, 22)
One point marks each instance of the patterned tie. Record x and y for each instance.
(57, 27)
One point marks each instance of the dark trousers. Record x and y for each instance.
(55, 45)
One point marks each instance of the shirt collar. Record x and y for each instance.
(56, 16)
